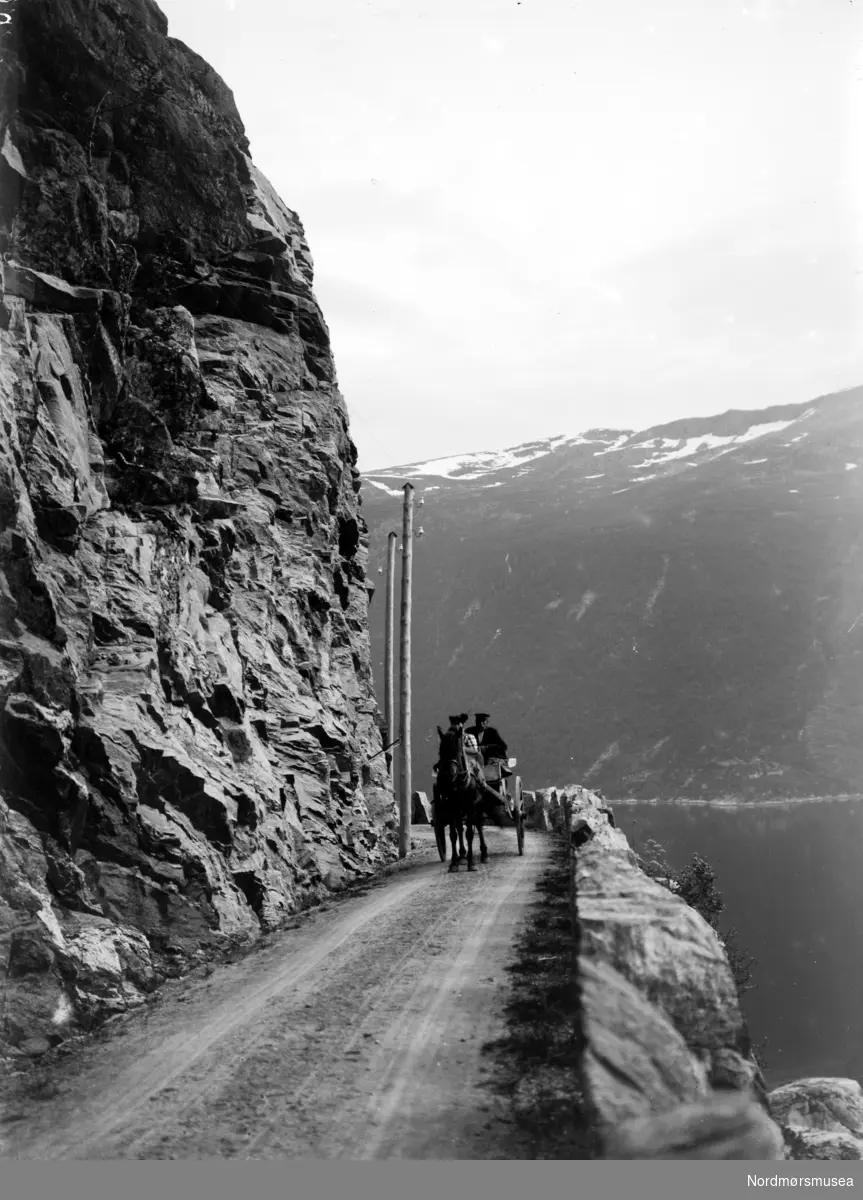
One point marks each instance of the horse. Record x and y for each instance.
(462, 791)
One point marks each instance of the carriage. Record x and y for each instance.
(508, 788)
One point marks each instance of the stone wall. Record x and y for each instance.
(189, 739)
(667, 1070)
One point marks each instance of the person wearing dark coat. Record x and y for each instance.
(490, 742)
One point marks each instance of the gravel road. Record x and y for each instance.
(358, 1034)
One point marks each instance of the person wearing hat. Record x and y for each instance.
(490, 742)
(456, 725)
(491, 746)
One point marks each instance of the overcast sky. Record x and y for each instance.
(540, 217)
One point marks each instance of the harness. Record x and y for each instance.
(461, 770)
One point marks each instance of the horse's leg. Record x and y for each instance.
(453, 866)
(470, 821)
(463, 852)
(483, 848)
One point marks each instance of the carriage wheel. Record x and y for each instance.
(518, 812)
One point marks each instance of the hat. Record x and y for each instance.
(464, 718)
(456, 720)
(483, 716)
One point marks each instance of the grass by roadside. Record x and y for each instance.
(537, 1060)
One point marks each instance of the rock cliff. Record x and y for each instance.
(188, 732)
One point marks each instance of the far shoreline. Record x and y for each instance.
(732, 802)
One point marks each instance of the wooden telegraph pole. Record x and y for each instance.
(405, 667)
(389, 683)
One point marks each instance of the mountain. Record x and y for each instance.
(671, 612)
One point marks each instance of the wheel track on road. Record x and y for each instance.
(165, 1064)
(336, 1051)
(213, 1081)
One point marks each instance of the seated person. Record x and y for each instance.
(491, 744)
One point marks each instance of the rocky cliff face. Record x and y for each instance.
(188, 730)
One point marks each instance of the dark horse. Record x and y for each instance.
(461, 793)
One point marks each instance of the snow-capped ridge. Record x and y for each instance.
(473, 466)
(658, 447)
(480, 463)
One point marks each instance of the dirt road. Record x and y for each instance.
(358, 1034)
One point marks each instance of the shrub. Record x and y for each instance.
(696, 884)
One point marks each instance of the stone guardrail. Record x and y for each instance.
(667, 1069)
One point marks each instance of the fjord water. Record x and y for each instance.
(791, 876)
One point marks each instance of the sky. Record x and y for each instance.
(540, 217)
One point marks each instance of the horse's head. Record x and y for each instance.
(449, 742)
(452, 762)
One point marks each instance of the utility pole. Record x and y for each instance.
(389, 683)
(405, 667)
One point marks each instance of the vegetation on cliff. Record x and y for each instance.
(696, 884)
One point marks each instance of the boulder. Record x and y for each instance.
(421, 809)
(822, 1118)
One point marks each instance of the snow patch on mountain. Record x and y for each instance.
(712, 441)
(616, 445)
(383, 487)
(484, 462)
